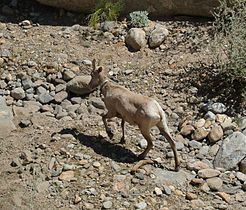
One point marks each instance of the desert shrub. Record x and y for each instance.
(229, 43)
(139, 19)
(105, 10)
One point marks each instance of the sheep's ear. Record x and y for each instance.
(100, 69)
(94, 64)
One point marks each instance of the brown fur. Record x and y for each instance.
(133, 108)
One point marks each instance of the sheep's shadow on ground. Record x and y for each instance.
(103, 147)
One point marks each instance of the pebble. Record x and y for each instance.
(191, 196)
(158, 191)
(208, 173)
(215, 183)
(226, 197)
(66, 175)
(140, 205)
(200, 134)
(215, 134)
(107, 205)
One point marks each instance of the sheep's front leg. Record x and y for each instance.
(123, 141)
(109, 130)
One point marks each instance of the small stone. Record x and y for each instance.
(97, 102)
(197, 203)
(196, 181)
(208, 173)
(213, 150)
(25, 123)
(200, 134)
(215, 183)
(77, 199)
(87, 62)
(191, 196)
(107, 204)
(204, 187)
(241, 176)
(18, 93)
(240, 197)
(197, 165)
(96, 164)
(68, 75)
(224, 196)
(143, 143)
(68, 167)
(141, 205)
(45, 98)
(210, 115)
(136, 38)
(195, 144)
(215, 134)
(66, 175)
(244, 186)
(15, 162)
(242, 165)
(200, 123)
(218, 108)
(167, 190)
(60, 96)
(158, 191)
(43, 186)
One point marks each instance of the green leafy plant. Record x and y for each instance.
(139, 19)
(229, 44)
(105, 10)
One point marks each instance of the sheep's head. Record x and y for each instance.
(98, 75)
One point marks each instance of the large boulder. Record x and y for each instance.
(6, 117)
(79, 85)
(231, 152)
(155, 7)
(135, 39)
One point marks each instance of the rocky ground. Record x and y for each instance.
(54, 151)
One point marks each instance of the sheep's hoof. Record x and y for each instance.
(141, 156)
(110, 133)
(122, 140)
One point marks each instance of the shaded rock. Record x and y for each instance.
(215, 134)
(208, 173)
(210, 115)
(6, 117)
(242, 123)
(215, 183)
(242, 166)
(157, 36)
(79, 85)
(97, 102)
(231, 152)
(25, 123)
(136, 38)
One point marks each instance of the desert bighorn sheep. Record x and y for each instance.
(133, 108)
